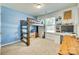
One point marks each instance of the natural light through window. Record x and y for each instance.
(50, 24)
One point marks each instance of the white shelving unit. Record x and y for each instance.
(58, 25)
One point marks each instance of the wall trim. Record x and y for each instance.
(10, 43)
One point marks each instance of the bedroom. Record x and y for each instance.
(47, 25)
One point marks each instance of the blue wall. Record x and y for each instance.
(10, 25)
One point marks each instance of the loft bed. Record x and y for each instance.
(35, 22)
(25, 29)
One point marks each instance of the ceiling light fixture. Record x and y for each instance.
(37, 5)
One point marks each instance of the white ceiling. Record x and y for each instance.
(31, 10)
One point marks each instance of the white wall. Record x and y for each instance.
(61, 13)
(78, 22)
(74, 19)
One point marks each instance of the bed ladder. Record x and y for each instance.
(26, 27)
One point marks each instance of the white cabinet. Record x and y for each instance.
(53, 36)
(49, 36)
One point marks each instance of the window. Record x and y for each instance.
(50, 24)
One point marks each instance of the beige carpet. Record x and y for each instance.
(38, 47)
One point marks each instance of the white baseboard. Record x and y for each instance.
(10, 43)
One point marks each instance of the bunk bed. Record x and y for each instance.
(25, 29)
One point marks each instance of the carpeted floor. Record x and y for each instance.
(38, 47)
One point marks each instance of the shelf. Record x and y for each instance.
(37, 24)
